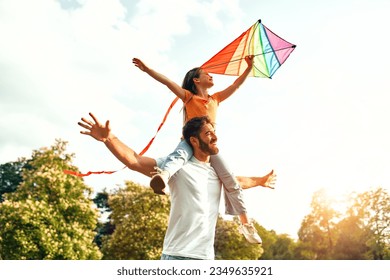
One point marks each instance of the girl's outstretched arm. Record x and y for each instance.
(226, 93)
(174, 87)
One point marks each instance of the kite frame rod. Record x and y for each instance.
(238, 59)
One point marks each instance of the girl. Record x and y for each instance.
(198, 102)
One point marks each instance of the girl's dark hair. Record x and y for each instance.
(193, 127)
(188, 81)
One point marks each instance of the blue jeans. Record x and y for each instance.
(170, 258)
(234, 204)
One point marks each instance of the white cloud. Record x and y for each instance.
(58, 64)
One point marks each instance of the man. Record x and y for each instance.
(195, 190)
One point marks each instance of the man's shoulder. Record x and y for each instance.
(195, 173)
(194, 160)
(195, 164)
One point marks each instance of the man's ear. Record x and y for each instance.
(194, 141)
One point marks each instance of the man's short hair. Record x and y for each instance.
(193, 127)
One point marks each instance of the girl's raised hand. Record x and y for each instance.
(249, 60)
(138, 63)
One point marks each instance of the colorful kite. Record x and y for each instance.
(269, 50)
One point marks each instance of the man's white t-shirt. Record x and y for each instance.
(195, 192)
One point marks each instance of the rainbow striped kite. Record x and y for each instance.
(269, 49)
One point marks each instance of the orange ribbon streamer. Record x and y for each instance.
(74, 173)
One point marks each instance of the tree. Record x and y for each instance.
(139, 218)
(373, 208)
(303, 251)
(50, 215)
(231, 245)
(361, 232)
(318, 228)
(104, 228)
(352, 239)
(11, 176)
(279, 247)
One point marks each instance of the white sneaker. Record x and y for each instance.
(159, 181)
(250, 233)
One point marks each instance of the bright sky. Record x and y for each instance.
(321, 122)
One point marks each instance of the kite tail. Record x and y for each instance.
(74, 173)
(160, 126)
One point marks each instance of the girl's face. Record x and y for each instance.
(205, 79)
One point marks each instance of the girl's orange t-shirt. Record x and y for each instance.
(196, 106)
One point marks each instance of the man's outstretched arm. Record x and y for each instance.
(120, 150)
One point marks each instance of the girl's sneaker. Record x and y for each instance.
(250, 233)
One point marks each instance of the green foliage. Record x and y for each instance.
(361, 232)
(103, 228)
(352, 240)
(373, 209)
(318, 228)
(11, 176)
(231, 245)
(50, 215)
(278, 247)
(101, 201)
(140, 219)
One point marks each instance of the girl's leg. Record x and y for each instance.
(171, 165)
(234, 203)
(232, 190)
(175, 161)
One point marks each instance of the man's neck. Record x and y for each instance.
(202, 157)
